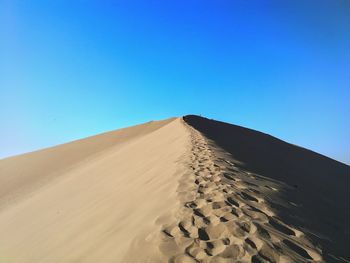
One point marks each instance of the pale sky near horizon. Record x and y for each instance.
(70, 69)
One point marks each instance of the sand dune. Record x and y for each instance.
(313, 189)
(178, 190)
(114, 187)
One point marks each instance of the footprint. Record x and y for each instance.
(248, 197)
(231, 201)
(268, 253)
(245, 226)
(250, 243)
(263, 233)
(202, 234)
(196, 253)
(184, 230)
(215, 247)
(216, 232)
(280, 227)
(297, 249)
(229, 177)
(232, 252)
(218, 205)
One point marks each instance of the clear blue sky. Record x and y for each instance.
(70, 69)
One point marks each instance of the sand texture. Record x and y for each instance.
(310, 191)
(178, 190)
(93, 209)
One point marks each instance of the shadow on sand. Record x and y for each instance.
(319, 186)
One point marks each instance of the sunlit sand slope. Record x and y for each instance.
(86, 201)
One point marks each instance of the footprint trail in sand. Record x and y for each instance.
(226, 217)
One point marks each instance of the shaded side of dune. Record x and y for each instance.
(317, 186)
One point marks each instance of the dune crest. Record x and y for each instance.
(224, 216)
(180, 190)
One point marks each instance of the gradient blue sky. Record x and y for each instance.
(70, 69)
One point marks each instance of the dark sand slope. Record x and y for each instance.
(311, 191)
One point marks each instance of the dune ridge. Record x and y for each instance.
(179, 190)
(224, 216)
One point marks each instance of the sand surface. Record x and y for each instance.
(164, 192)
(101, 193)
(312, 189)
